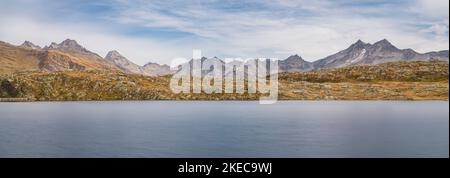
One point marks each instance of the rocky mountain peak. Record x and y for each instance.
(358, 45)
(294, 63)
(359, 42)
(122, 62)
(295, 57)
(385, 44)
(113, 55)
(69, 45)
(29, 45)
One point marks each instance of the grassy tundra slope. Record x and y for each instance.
(415, 80)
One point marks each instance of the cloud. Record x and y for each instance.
(162, 30)
(313, 29)
(433, 8)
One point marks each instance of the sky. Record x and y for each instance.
(161, 30)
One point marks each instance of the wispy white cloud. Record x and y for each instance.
(313, 29)
(435, 8)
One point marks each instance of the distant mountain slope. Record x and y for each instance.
(13, 59)
(123, 63)
(149, 69)
(56, 60)
(69, 45)
(155, 69)
(68, 55)
(383, 51)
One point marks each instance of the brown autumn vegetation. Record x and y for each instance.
(415, 80)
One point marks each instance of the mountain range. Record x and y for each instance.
(361, 53)
(69, 55)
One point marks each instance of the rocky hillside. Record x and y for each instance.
(69, 56)
(418, 80)
(69, 45)
(417, 71)
(95, 85)
(399, 80)
(86, 85)
(155, 69)
(14, 59)
(122, 62)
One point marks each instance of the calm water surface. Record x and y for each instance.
(225, 129)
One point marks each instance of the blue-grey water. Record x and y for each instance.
(225, 129)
